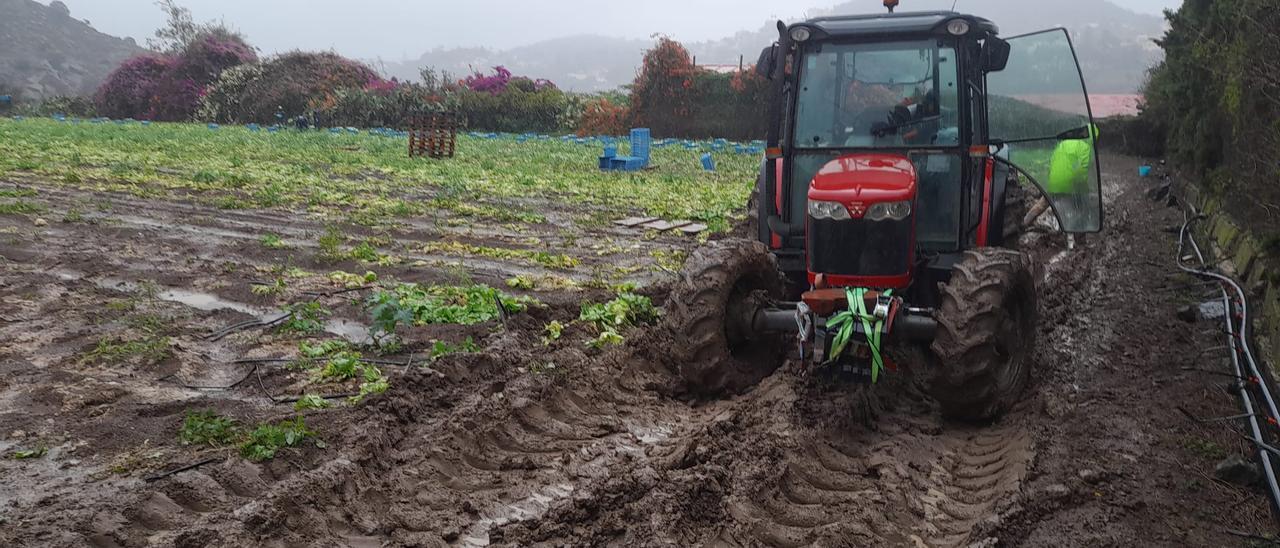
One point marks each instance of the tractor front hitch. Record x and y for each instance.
(910, 324)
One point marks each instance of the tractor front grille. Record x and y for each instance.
(859, 247)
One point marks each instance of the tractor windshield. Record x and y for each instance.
(882, 95)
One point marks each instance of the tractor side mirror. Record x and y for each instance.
(995, 54)
(767, 62)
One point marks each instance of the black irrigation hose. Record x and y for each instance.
(291, 360)
(295, 399)
(258, 371)
(1236, 342)
(222, 333)
(173, 379)
(163, 475)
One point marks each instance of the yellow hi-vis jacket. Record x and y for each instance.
(1069, 167)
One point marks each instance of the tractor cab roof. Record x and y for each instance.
(886, 25)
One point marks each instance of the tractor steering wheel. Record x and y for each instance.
(882, 129)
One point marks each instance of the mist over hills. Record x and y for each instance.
(1114, 44)
(44, 51)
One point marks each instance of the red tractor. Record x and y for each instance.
(888, 207)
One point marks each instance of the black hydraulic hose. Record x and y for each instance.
(1237, 341)
(1244, 325)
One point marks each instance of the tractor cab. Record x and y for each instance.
(893, 139)
(899, 153)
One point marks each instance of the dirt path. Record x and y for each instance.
(526, 444)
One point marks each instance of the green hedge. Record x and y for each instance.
(1217, 93)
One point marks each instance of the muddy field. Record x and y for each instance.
(533, 442)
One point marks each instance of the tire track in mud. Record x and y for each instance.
(580, 463)
(492, 463)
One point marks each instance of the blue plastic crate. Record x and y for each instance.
(210, 126)
(626, 163)
(708, 163)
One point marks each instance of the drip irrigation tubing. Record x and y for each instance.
(1238, 342)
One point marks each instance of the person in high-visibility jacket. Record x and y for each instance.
(1068, 173)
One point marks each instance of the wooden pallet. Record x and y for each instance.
(434, 135)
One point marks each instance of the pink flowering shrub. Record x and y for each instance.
(210, 54)
(175, 99)
(128, 91)
(495, 83)
(169, 88)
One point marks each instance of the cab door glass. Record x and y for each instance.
(1039, 105)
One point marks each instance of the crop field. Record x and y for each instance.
(221, 337)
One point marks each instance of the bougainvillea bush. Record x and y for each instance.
(489, 83)
(207, 56)
(169, 87)
(128, 91)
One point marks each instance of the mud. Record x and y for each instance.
(561, 445)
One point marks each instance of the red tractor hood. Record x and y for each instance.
(857, 180)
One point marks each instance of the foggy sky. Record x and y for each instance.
(394, 30)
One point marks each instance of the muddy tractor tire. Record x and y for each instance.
(986, 335)
(709, 312)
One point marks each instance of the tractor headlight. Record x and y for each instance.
(801, 34)
(834, 211)
(889, 210)
(958, 27)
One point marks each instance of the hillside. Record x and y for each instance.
(45, 52)
(1115, 45)
(580, 63)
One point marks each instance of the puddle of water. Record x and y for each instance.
(210, 303)
(67, 275)
(352, 331)
(649, 435)
(531, 507)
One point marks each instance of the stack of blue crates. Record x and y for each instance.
(641, 141)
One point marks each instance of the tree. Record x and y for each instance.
(662, 96)
(180, 29)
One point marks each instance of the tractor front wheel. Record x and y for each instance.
(986, 334)
(710, 310)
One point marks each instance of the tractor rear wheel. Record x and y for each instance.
(986, 334)
(710, 310)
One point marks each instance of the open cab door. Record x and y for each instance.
(1039, 108)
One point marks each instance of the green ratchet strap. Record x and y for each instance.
(871, 325)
